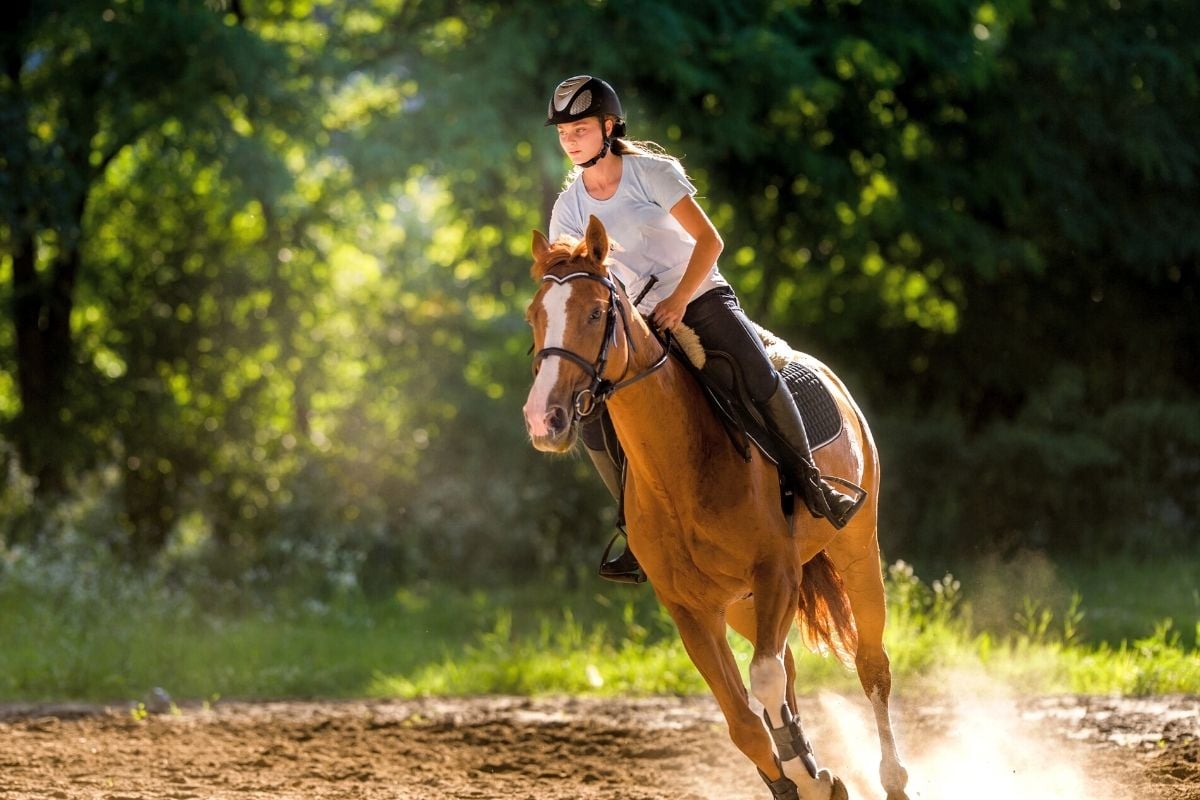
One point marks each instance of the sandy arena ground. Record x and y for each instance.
(1076, 748)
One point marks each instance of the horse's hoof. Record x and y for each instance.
(839, 791)
(901, 795)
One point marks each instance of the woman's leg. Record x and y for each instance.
(727, 333)
(600, 441)
(737, 356)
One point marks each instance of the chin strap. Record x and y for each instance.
(603, 152)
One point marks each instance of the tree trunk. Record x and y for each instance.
(150, 511)
(41, 314)
(42, 318)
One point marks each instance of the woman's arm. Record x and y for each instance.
(691, 216)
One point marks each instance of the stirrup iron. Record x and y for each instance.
(621, 568)
(856, 493)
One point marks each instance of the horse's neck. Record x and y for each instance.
(660, 414)
(658, 417)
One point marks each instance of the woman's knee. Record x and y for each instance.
(727, 334)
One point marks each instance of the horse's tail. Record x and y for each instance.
(824, 612)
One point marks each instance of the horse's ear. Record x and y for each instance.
(597, 241)
(541, 246)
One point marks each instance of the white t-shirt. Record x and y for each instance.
(645, 240)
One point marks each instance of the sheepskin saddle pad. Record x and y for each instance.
(822, 420)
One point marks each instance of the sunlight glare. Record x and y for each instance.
(986, 751)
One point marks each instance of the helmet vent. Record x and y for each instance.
(566, 89)
(582, 102)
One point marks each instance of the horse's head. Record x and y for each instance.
(576, 318)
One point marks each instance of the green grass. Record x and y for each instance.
(1122, 599)
(102, 635)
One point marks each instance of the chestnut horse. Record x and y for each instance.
(707, 526)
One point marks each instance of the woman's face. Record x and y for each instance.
(581, 140)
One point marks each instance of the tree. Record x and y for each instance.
(83, 82)
(268, 261)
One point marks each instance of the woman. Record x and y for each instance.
(666, 246)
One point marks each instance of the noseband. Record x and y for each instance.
(587, 401)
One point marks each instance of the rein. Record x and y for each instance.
(587, 401)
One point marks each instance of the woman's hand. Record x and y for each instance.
(669, 313)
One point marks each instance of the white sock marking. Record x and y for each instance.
(768, 683)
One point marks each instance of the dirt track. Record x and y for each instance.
(637, 749)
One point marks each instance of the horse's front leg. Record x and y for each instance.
(776, 597)
(703, 636)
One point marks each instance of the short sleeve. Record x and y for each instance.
(666, 183)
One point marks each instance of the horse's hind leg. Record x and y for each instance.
(863, 580)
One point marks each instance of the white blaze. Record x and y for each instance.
(554, 302)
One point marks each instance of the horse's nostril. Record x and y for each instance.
(556, 420)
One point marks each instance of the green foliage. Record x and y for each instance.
(1056, 479)
(268, 264)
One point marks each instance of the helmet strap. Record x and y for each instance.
(596, 158)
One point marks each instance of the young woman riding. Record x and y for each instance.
(666, 247)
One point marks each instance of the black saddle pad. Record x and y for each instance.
(822, 421)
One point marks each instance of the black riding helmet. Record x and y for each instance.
(585, 96)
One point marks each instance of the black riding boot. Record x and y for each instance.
(623, 568)
(822, 499)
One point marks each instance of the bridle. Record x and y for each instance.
(589, 400)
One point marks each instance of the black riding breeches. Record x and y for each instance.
(727, 335)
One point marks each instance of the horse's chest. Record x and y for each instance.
(712, 559)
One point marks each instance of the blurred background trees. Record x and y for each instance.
(267, 261)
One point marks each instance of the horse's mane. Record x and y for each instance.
(561, 251)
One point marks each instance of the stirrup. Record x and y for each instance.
(623, 568)
(816, 488)
(839, 521)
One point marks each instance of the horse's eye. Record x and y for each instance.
(596, 314)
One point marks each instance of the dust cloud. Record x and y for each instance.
(985, 749)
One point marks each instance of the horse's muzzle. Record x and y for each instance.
(551, 432)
